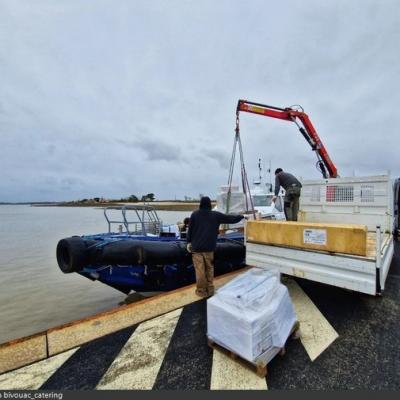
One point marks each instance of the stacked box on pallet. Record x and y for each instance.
(252, 315)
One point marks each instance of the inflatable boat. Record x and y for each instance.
(144, 255)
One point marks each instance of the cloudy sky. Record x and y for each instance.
(118, 97)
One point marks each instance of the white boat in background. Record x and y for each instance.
(263, 202)
(262, 195)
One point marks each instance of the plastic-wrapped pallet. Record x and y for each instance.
(252, 315)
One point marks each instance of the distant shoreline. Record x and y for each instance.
(166, 205)
(158, 205)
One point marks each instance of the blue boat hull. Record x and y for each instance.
(142, 263)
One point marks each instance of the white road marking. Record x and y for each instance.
(227, 374)
(316, 333)
(33, 376)
(138, 363)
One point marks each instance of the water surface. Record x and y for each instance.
(34, 294)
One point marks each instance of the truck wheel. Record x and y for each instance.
(71, 254)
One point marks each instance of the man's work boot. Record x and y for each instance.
(201, 293)
(210, 291)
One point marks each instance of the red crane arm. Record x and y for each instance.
(307, 130)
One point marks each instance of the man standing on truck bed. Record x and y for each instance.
(292, 196)
(202, 241)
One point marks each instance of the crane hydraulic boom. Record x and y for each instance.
(325, 164)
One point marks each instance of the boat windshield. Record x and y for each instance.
(262, 200)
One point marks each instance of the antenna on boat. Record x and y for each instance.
(270, 176)
(259, 180)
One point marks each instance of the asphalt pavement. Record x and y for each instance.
(171, 351)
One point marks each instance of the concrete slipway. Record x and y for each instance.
(348, 340)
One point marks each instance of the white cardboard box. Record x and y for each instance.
(251, 315)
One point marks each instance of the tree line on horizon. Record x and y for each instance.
(134, 199)
(131, 199)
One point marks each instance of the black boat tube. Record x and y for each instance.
(75, 253)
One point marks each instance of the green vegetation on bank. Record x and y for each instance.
(130, 199)
(188, 204)
(165, 205)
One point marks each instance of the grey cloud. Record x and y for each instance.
(161, 151)
(92, 94)
(50, 180)
(51, 149)
(69, 181)
(220, 156)
(155, 149)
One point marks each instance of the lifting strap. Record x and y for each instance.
(245, 183)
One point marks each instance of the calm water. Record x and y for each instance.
(34, 293)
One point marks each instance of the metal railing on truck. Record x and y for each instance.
(357, 200)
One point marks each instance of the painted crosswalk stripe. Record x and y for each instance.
(33, 376)
(317, 334)
(92, 360)
(227, 374)
(138, 363)
(168, 352)
(188, 360)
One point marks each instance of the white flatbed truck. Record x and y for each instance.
(355, 200)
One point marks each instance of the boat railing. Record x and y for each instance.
(146, 220)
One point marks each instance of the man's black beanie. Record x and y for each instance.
(205, 203)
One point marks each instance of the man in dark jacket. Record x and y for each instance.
(202, 241)
(292, 193)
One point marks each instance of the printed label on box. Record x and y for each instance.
(314, 236)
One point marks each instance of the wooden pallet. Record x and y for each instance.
(259, 366)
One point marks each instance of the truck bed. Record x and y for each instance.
(354, 200)
(366, 274)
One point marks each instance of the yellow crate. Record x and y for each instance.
(336, 238)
